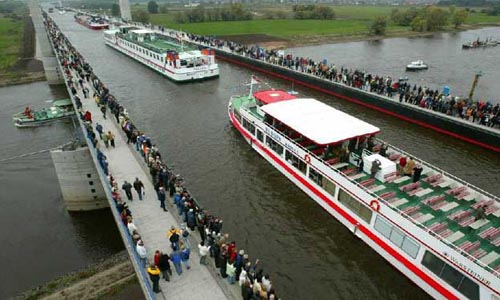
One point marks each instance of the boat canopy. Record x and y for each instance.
(317, 121)
(268, 97)
(142, 31)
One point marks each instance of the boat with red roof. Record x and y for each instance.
(438, 230)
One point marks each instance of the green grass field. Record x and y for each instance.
(350, 21)
(10, 40)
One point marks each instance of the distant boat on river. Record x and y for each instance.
(416, 66)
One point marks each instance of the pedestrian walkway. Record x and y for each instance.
(152, 222)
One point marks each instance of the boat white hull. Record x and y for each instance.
(409, 68)
(178, 75)
(411, 268)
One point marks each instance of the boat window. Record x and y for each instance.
(260, 135)
(183, 62)
(329, 186)
(249, 126)
(296, 162)
(451, 275)
(396, 236)
(275, 146)
(315, 176)
(355, 206)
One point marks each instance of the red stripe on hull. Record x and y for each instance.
(440, 130)
(408, 264)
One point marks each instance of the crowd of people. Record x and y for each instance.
(479, 112)
(233, 263)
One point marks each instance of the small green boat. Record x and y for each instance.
(60, 109)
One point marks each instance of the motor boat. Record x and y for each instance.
(416, 65)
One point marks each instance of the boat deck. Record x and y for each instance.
(446, 208)
(160, 45)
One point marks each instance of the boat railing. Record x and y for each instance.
(380, 199)
(446, 174)
(427, 229)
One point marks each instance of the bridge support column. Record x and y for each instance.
(46, 54)
(80, 184)
(125, 10)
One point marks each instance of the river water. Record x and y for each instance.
(449, 65)
(40, 239)
(308, 254)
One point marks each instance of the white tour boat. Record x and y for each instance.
(416, 65)
(440, 231)
(163, 54)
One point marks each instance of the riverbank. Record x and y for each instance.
(112, 278)
(19, 65)
(273, 42)
(274, 25)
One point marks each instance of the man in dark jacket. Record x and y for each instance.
(127, 187)
(161, 198)
(138, 187)
(164, 266)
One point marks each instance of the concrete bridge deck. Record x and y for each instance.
(200, 282)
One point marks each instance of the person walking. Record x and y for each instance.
(103, 110)
(154, 275)
(127, 187)
(99, 129)
(138, 187)
(185, 252)
(142, 253)
(176, 259)
(111, 138)
(173, 237)
(105, 139)
(161, 198)
(164, 266)
(203, 253)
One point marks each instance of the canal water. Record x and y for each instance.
(308, 254)
(40, 239)
(449, 64)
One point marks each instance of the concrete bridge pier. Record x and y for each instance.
(80, 184)
(46, 54)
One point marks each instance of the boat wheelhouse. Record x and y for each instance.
(430, 229)
(163, 54)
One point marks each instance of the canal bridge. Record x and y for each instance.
(85, 186)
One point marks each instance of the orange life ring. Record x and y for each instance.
(307, 158)
(375, 205)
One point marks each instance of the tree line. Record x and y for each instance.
(318, 12)
(431, 18)
(231, 12)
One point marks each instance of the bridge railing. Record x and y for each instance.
(129, 244)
